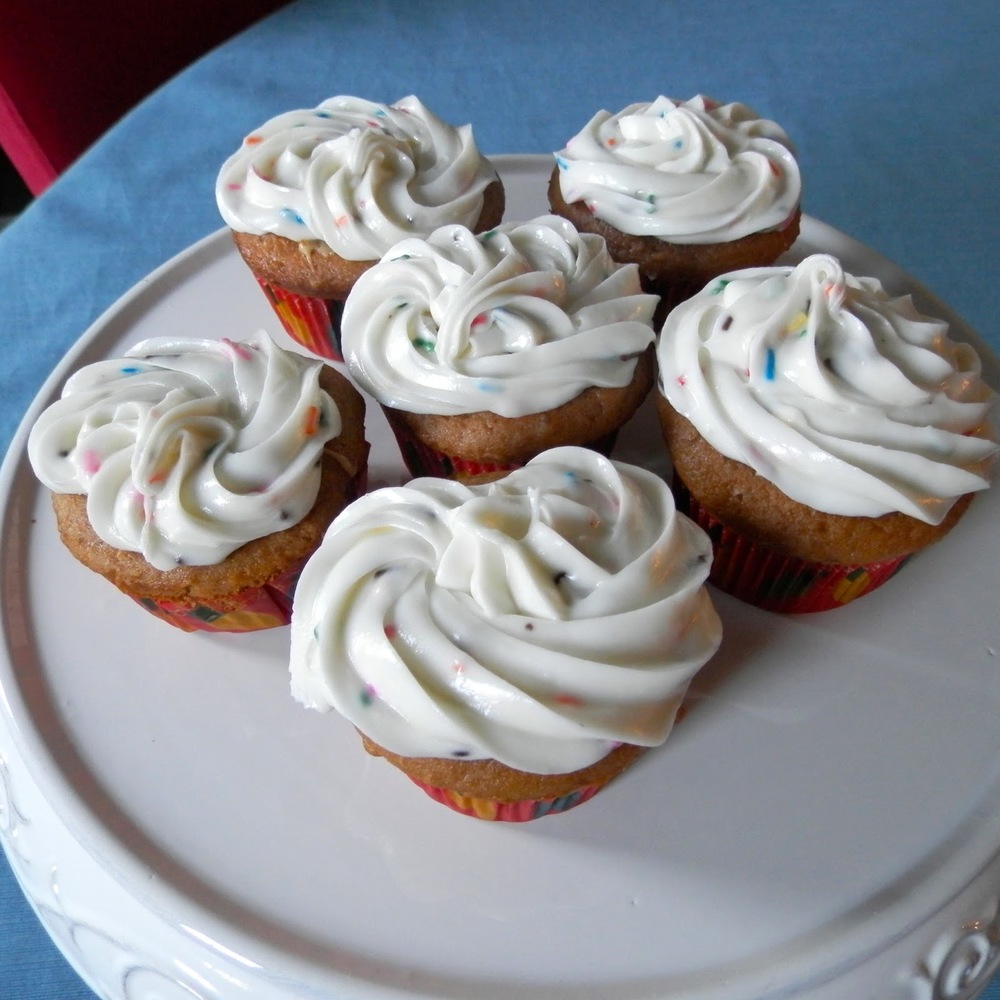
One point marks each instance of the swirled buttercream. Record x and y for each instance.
(538, 620)
(684, 172)
(187, 449)
(356, 175)
(514, 321)
(845, 398)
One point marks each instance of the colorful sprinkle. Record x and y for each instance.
(234, 186)
(568, 699)
(422, 344)
(130, 370)
(253, 140)
(292, 216)
(390, 632)
(720, 286)
(485, 385)
(797, 324)
(480, 319)
(769, 365)
(561, 163)
(90, 461)
(682, 380)
(311, 421)
(727, 322)
(342, 220)
(368, 695)
(239, 350)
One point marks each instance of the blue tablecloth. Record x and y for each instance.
(893, 107)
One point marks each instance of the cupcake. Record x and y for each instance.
(485, 350)
(820, 430)
(314, 197)
(686, 190)
(510, 646)
(198, 475)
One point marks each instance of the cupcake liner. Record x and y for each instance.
(266, 606)
(766, 578)
(311, 322)
(422, 460)
(507, 812)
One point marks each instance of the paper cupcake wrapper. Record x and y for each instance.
(507, 812)
(422, 460)
(311, 322)
(768, 579)
(266, 606)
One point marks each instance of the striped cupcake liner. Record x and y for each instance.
(766, 578)
(266, 606)
(312, 323)
(507, 812)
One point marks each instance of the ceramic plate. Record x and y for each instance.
(827, 812)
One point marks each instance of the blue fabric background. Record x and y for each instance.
(893, 107)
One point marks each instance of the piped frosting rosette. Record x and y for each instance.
(354, 174)
(515, 321)
(844, 397)
(691, 172)
(540, 620)
(186, 449)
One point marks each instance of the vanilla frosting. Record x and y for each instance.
(845, 398)
(187, 449)
(354, 174)
(514, 321)
(539, 620)
(684, 172)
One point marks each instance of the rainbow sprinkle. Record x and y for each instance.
(311, 421)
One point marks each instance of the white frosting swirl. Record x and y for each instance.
(356, 175)
(514, 321)
(187, 449)
(691, 172)
(538, 620)
(846, 399)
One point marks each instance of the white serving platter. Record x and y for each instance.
(824, 824)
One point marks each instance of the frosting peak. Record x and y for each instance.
(514, 321)
(537, 620)
(684, 172)
(354, 174)
(845, 398)
(187, 449)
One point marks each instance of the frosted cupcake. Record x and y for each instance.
(314, 197)
(510, 646)
(821, 430)
(686, 190)
(486, 350)
(198, 475)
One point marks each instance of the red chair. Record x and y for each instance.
(68, 71)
